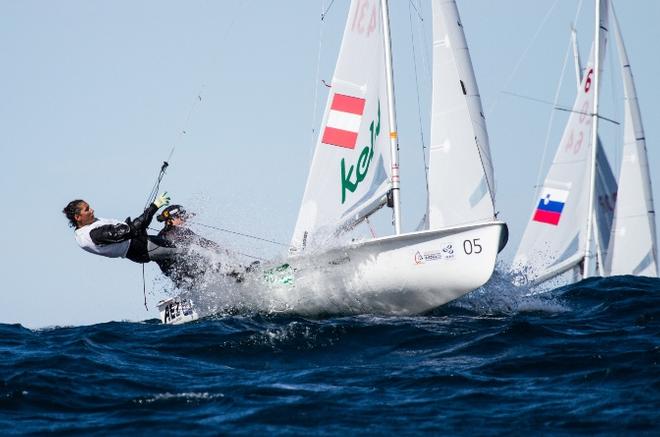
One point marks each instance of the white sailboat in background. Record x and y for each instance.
(355, 173)
(580, 226)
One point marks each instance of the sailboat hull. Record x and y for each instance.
(399, 275)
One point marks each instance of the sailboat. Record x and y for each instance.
(582, 225)
(354, 174)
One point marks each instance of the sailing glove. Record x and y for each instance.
(162, 200)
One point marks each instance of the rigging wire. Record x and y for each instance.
(491, 108)
(229, 231)
(618, 151)
(555, 101)
(419, 106)
(417, 9)
(324, 13)
(552, 116)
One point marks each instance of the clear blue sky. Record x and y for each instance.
(94, 94)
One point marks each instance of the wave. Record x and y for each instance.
(580, 358)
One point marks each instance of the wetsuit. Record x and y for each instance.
(194, 264)
(128, 239)
(185, 269)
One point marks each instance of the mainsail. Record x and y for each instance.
(349, 174)
(633, 242)
(555, 239)
(461, 182)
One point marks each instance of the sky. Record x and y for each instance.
(94, 95)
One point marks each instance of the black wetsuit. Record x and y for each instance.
(190, 265)
(184, 270)
(143, 248)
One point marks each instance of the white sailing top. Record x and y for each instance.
(113, 250)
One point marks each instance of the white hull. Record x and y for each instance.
(397, 275)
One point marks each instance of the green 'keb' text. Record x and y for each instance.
(350, 181)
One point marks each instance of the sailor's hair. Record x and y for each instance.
(70, 211)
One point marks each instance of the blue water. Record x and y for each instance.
(581, 359)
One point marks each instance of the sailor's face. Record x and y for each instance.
(177, 221)
(85, 216)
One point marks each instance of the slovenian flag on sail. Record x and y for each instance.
(550, 206)
(344, 121)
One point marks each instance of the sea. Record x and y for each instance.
(581, 359)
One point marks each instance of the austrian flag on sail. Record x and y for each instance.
(550, 206)
(344, 121)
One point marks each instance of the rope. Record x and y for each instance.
(316, 78)
(491, 108)
(618, 151)
(229, 231)
(144, 289)
(371, 228)
(419, 15)
(552, 116)
(419, 106)
(325, 13)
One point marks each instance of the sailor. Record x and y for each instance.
(176, 232)
(116, 239)
(198, 252)
(201, 254)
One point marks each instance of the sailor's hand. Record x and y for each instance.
(162, 200)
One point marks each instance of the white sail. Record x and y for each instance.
(606, 189)
(461, 182)
(555, 238)
(349, 174)
(633, 243)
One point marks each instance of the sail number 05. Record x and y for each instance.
(472, 246)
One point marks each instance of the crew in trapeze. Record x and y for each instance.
(201, 254)
(182, 255)
(115, 239)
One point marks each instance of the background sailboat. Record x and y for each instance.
(573, 218)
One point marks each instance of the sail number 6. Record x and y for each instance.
(472, 246)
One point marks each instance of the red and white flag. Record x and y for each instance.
(344, 121)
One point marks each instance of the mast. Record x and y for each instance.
(394, 142)
(594, 142)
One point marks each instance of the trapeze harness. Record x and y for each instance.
(129, 239)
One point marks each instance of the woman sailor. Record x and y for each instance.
(115, 239)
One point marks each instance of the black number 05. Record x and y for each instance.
(472, 246)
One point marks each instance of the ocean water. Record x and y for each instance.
(580, 359)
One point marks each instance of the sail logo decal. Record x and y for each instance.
(351, 180)
(344, 120)
(551, 204)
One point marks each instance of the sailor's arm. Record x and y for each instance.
(108, 234)
(144, 220)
